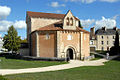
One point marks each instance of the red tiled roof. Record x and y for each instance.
(47, 15)
(58, 27)
(80, 29)
(55, 26)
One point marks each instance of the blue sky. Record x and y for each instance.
(96, 13)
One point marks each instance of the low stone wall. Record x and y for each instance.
(24, 51)
(89, 57)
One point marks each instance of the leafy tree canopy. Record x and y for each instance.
(11, 40)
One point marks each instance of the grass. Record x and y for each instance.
(20, 64)
(2, 78)
(109, 71)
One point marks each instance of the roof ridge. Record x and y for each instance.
(44, 12)
(47, 15)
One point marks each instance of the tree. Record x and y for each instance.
(116, 48)
(116, 44)
(11, 40)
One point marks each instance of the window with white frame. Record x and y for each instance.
(107, 37)
(107, 42)
(102, 37)
(102, 42)
(113, 37)
(91, 42)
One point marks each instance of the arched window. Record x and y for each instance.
(67, 21)
(69, 37)
(71, 21)
(47, 36)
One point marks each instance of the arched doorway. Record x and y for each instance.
(70, 53)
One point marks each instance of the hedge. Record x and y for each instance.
(2, 78)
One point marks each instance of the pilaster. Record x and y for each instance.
(37, 45)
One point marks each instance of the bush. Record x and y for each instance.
(14, 56)
(2, 78)
(4, 54)
(43, 58)
(114, 51)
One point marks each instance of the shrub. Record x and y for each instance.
(15, 56)
(114, 50)
(42, 58)
(2, 78)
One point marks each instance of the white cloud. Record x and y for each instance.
(109, 23)
(4, 12)
(4, 24)
(111, 1)
(56, 4)
(87, 23)
(91, 1)
(83, 1)
(19, 24)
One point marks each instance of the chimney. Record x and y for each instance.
(104, 28)
(92, 32)
(115, 28)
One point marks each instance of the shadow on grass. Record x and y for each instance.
(117, 59)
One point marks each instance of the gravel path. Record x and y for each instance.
(71, 64)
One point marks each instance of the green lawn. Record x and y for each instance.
(109, 71)
(20, 64)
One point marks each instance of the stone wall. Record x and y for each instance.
(36, 23)
(78, 43)
(47, 44)
(24, 51)
(41, 22)
(85, 48)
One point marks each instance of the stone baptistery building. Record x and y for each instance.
(56, 35)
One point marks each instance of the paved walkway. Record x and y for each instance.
(71, 64)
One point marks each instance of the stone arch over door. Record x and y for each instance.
(70, 51)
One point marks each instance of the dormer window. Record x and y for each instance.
(67, 21)
(71, 21)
